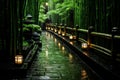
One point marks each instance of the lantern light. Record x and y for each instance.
(59, 32)
(71, 37)
(63, 34)
(18, 59)
(63, 48)
(71, 42)
(84, 45)
(46, 4)
(52, 29)
(55, 30)
(48, 28)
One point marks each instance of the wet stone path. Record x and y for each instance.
(55, 62)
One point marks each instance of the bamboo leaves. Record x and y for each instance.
(62, 8)
(42, 15)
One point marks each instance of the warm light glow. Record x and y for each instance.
(59, 32)
(70, 57)
(18, 59)
(88, 42)
(85, 53)
(46, 4)
(55, 30)
(63, 48)
(52, 29)
(63, 33)
(55, 40)
(84, 45)
(71, 37)
(71, 42)
(48, 28)
(59, 44)
(83, 73)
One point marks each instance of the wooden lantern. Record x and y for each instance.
(70, 37)
(18, 59)
(84, 45)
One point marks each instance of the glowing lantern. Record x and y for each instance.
(55, 30)
(84, 73)
(52, 29)
(59, 32)
(46, 4)
(59, 44)
(63, 48)
(48, 28)
(84, 45)
(71, 37)
(18, 59)
(70, 57)
(63, 34)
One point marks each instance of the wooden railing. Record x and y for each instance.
(113, 38)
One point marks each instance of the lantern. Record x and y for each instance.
(84, 45)
(55, 30)
(59, 32)
(48, 28)
(18, 59)
(52, 29)
(63, 48)
(46, 3)
(71, 37)
(63, 33)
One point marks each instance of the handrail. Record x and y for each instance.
(109, 50)
(108, 36)
(83, 30)
(117, 37)
(101, 49)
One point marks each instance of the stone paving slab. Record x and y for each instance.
(55, 63)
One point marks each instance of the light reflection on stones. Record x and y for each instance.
(70, 58)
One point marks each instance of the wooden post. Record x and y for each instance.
(77, 33)
(115, 50)
(90, 29)
(115, 45)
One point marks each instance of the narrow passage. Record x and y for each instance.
(56, 62)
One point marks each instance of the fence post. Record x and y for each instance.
(90, 29)
(77, 33)
(65, 25)
(115, 50)
(115, 45)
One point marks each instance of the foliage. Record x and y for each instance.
(25, 43)
(34, 27)
(56, 1)
(62, 8)
(42, 15)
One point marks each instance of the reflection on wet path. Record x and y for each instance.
(55, 62)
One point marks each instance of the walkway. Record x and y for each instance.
(56, 62)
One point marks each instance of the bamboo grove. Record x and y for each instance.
(101, 14)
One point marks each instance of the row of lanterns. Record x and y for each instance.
(84, 45)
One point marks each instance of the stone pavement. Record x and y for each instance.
(56, 62)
